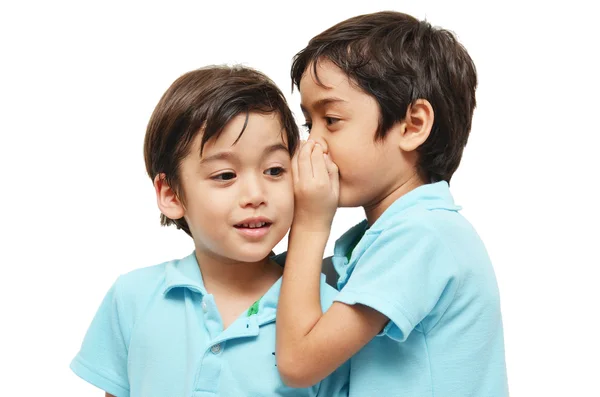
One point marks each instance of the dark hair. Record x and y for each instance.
(398, 59)
(205, 100)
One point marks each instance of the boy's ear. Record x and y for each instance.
(416, 126)
(166, 198)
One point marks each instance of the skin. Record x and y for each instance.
(340, 165)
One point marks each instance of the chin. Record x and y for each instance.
(256, 255)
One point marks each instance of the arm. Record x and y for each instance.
(108, 395)
(310, 344)
(102, 359)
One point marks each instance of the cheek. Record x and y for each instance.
(210, 206)
(356, 164)
(283, 198)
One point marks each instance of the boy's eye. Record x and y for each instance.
(275, 171)
(225, 176)
(331, 120)
(307, 126)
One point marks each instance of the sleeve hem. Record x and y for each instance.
(93, 376)
(398, 317)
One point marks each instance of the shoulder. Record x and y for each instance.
(407, 245)
(133, 290)
(418, 227)
(414, 220)
(140, 280)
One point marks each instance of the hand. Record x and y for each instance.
(316, 186)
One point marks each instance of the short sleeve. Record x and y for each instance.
(102, 359)
(336, 384)
(406, 273)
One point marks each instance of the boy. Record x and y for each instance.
(388, 101)
(217, 148)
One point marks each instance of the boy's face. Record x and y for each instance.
(344, 120)
(239, 198)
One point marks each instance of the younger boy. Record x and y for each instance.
(218, 149)
(388, 101)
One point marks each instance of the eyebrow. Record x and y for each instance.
(229, 155)
(323, 102)
(275, 148)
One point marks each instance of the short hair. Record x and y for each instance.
(398, 59)
(206, 100)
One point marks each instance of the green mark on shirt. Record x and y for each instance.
(253, 309)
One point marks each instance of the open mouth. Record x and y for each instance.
(256, 225)
(254, 230)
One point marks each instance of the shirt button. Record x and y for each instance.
(204, 307)
(216, 348)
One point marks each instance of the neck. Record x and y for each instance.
(235, 277)
(374, 210)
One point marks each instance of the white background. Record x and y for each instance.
(79, 81)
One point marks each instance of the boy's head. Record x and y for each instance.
(388, 96)
(218, 148)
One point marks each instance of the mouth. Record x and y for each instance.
(252, 225)
(254, 228)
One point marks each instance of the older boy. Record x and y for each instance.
(388, 101)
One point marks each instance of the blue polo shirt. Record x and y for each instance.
(423, 266)
(159, 333)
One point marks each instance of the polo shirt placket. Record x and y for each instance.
(208, 375)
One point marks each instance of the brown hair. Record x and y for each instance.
(398, 59)
(206, 100)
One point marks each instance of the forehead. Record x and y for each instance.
(329, 86)
(246, 132)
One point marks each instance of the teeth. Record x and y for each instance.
(253, 225)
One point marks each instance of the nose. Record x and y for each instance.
(253, 192)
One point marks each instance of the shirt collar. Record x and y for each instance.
(432, 196)
(185, 273)
(267, 306)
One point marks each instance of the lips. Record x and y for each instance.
(254, 228)
(253, 223)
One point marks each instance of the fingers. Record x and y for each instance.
(305, 168)
(331, 166)
(310, 162)
(318, 164)
(295, 175)
(333, 173)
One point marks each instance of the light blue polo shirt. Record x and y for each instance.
(424, 266)
(159, 333)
